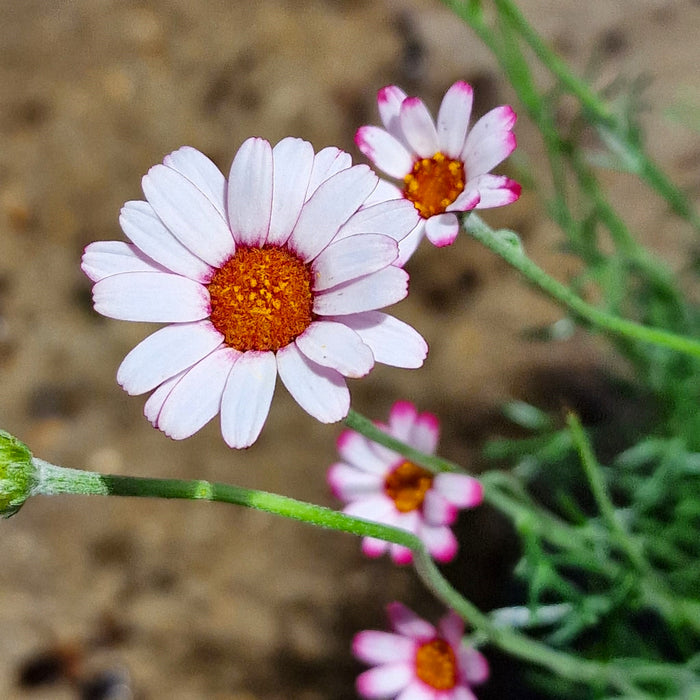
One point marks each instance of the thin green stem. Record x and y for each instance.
(507, 246)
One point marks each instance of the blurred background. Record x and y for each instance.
(117, 598)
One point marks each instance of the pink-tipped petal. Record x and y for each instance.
(402, 418)
(496, 191)
(389, 100)
(189, 214)
(468, 199)
(384, 681)
(327, 162)
(151, 296)
(392, 342)
(453, 118)
(473, 666)
(395, 218)
(357, 450)
(440, 541)
(349, 258)
(247, 396)
(165, 353)
(425, 433)
(405, 621)
(451, 629)
(437, 510)
(441, 230)
(196, 398)
(141, 225)
(155, 401)
(250, 192)
(462, 490)
(367, 293)
(293, 160)
(401, 556)
(418, 127)
(374, 647)
(462, 692)
(103, 259)
(373, 548)
(331, 205)
(333, 344)
(376, 508)
(349, 483)
(490, 141)
(384, 150)
(320, 391)
(202, 173)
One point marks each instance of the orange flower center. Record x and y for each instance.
(436, 664)
(261, 298)
(434, 183)
(407, 485)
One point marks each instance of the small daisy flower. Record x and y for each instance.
(443, 167)
(281, 269)
(381, 485)
(417, 661)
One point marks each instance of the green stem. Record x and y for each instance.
(506, 245)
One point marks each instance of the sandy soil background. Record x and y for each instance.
(195, 600)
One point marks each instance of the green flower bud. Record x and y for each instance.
(17, 474)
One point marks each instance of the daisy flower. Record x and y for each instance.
(381, 485)
(444, 167)
(418, 661)
(281, 269)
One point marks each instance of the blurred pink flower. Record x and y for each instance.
(281, 269)
(444, 167)
(381, 485)
(417, 661)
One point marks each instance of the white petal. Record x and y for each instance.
(385, 151)
(189, 214)
(353, 257)
(473, 665)
(417, 690)
(151, 296)
(384, 681)
(402, 418)
(357, 451)
(410, 244)
(395, 218)
(165, 353)
(442, 229)
(425, 433)
(155, 401)
(364, 294)
(292, 160)
(247, 397)
(141, 225)
(406, 622)
(320, 391)
(453, 118)
(250, 192)
(389, 101)
(106, 258)
(462, 490)
(331, 205)
(468, 198)
(393, 342)
(495, 190)
(376, 508)
(440, 541)
(351, 484)
(490, 141)
(437, 510)
(374, 647)
(327, 162)
(196, 398)
(202, 173)
(334, 345)
(418, 127)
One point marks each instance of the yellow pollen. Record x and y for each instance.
(434, 183)
(261, 298)
(436, 664)
(407, 485)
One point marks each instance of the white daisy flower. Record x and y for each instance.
(418, 661)
(381, 485)
(282, 269)
(443, 167)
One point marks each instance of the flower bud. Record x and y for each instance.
(17, 474)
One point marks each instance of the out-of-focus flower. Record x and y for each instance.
(381, 485)
(281, 269)
(444, 167)
(418, 661)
